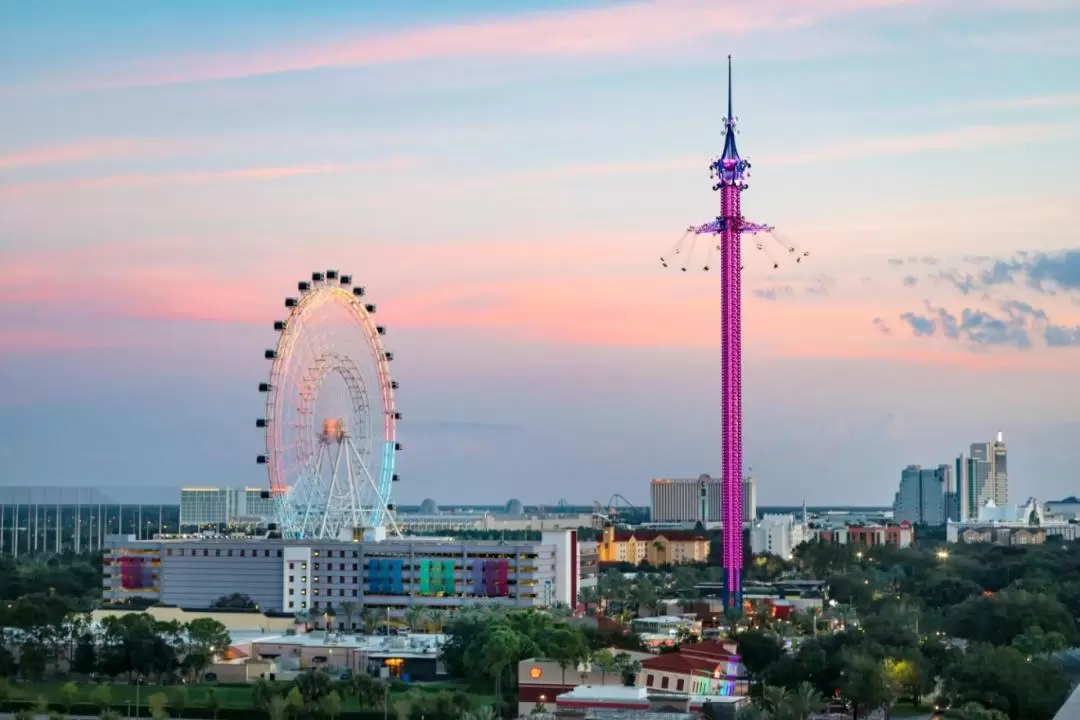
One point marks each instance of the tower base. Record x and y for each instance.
(732, 594)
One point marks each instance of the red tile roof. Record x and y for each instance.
(679, 663)
(708, 649)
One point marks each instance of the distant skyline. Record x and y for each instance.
(504, 183)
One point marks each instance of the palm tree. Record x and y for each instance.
(804, 700)
(349, 610)
(605, 660)
(301, 617)
(372, 619)
(777, 700)
(415, 617)
(481, 713)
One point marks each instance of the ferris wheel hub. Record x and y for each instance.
(333, 430)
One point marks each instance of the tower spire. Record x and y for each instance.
(730, 114)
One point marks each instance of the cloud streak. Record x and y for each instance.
(621, 29)
(137, 180)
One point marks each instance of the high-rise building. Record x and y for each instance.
(675, 500)
(749, 499)
(922, 495)
(700, 500)
(994, 470)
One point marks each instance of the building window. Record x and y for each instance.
(664, 682)
(649, 680)
(679, 685)
(217, 553)
(243, 553)
(169, 552)
(291, 578)
(291, 603)
(279, 553)
(316, 565)
(291, 566)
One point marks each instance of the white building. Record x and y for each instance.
(211, 507)
(777, 534)
(922, 495)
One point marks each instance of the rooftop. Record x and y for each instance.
(411, 645)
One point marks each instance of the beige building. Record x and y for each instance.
(657, 547)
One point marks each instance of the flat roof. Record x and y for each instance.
(411, 645)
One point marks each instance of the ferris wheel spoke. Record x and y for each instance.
(384, 508)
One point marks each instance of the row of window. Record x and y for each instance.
(315, 604)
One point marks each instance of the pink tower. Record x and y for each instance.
(730, 173)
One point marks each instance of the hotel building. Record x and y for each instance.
(316, 576)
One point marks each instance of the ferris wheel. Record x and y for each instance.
(331, 421)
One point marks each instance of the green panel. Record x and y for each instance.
(448, 577)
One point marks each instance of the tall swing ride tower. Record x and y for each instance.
(730, 173)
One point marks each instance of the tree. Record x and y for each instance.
(294, 701)
(85, 657)
(331, 705)
(278, 708)
(997, 619)
(206, 639)
(864, 684)
(1004, 679)
(102, 698)
(349, 609)
(234, 601)
(415, 617)
(5, 690)
(759, 650)
(68, 693)
(605, 661)
(805, 700)
(32, 660)
(211, 702)
(178, 699)
(157, 703)
(974, 711)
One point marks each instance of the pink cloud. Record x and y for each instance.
(627, 28)
(84, 150)
(130, 180)
(627, 306)
(13, 342)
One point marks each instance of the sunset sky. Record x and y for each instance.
(504, 182)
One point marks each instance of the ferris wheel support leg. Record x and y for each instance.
(335, 467)
(309, 500)
(355, 511)
(378, 494)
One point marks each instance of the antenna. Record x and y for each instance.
(730, 114)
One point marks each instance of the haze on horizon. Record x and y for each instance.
(503, 184)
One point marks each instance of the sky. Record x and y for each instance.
(503, 178)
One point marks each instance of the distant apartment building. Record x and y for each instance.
(699, 500)
(656, 547)
(923, 495)
(778, 534)
(213, 507)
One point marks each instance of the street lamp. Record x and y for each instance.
(942, 554)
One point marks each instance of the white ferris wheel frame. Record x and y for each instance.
(312, 504)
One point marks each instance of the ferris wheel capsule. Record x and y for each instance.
(330, 419)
